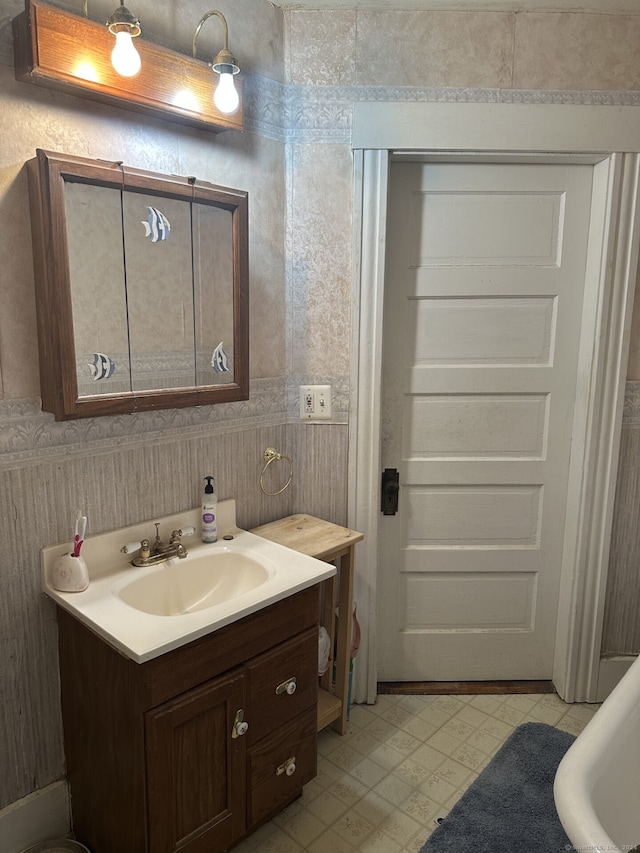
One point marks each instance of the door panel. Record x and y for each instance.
(441, 425)
(482, 331)
(483, 304)
(503, 243)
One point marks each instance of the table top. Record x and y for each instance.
(310, 535)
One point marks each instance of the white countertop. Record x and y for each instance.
(142, 636)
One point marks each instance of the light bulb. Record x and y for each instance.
(226, 97)
(124, 57)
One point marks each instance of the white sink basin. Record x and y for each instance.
(185, 586)
(147, 611)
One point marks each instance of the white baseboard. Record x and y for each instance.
(40, 816)
(611, 671)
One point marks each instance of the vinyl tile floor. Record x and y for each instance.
(402, 764)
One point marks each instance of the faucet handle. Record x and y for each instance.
(176, 535)
(142, 546)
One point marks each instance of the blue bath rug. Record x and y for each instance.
(510, 807)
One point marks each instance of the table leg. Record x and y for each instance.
(345, 620)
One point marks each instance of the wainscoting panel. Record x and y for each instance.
(320, 451)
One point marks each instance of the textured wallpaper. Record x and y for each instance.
(305, 70)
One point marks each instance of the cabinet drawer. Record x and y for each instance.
(269, 703)
(280, 765)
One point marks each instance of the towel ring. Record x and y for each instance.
(269, 456)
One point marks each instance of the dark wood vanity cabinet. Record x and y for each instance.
(157, 759)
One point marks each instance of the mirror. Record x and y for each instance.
(142, 288)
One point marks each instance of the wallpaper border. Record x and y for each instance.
(29, 435)
(323, 114)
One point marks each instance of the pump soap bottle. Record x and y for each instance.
(209, 513)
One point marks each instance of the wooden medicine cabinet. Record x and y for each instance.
(142, 290)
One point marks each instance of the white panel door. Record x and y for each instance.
(483, 305)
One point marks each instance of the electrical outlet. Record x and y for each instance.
(315, 402)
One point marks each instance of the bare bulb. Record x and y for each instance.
(226, 97)
(124, 57)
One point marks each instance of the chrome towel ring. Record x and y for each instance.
(269, 456)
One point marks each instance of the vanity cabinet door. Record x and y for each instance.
(196, 769)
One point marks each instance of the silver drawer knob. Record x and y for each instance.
(288, 767)
(289, 687)
(240, 726)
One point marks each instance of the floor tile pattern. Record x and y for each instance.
(403, 763)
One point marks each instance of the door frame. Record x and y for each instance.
(609, 138)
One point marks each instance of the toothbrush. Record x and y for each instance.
(76, 536)
(83, 530)
(80, 530)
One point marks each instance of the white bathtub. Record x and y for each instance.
(597, 786)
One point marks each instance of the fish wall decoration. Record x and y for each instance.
(102, 366)
(156, 226)
(219, 359)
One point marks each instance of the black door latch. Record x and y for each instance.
(389, 491)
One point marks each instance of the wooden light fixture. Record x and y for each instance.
(72, 54)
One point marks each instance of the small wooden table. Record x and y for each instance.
(333, 544)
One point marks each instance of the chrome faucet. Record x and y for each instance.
(159, 552)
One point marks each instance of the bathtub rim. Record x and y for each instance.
(587, 758)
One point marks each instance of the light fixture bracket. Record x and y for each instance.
(224, 56)
(225, 62)
(124, 19)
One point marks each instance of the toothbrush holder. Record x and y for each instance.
(70, 574)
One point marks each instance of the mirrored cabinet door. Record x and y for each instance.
(142, 284)
(98, 292)
(160, 304)
(213, 273)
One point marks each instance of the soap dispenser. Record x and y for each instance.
(209, 512)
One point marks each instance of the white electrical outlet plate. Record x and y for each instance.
(315, 402)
